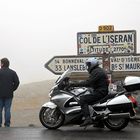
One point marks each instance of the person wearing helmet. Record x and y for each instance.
(98, 82)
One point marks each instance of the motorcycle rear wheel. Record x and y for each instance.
(51, 118)
(116, 124)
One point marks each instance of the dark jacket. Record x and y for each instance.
(98, 80)
(9, 82)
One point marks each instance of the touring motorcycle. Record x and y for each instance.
(115, 110)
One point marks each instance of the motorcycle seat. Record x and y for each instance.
(110, 96)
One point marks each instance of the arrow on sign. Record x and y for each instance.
(58, 64)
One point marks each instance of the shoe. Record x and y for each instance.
(87, 121)
(7, 124)
(99, 117)
(99, 125)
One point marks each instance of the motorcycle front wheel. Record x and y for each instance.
(51, 118)
(116, 124)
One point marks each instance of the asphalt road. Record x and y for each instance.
(68, 133)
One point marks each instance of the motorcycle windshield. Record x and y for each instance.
(65, 74)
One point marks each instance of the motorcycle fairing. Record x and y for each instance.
(50, 105)
(122, 99)
(66, 102)
(120, 104)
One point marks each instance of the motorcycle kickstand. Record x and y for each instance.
(85, 127)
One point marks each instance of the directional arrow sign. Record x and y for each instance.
(125, 63)
(58, 64)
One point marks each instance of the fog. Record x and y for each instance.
(34, 31)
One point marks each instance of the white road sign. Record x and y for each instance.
(125, 63)
(59, 64)
(112, 42)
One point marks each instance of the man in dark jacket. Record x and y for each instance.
(98, 81)
(9, 82)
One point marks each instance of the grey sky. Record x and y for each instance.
(33, 31)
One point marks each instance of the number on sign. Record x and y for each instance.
(58, 68)
(106, 28)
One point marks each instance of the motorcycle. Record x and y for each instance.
(115, 110)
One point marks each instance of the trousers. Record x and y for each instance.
(89, 99)
(5, 103)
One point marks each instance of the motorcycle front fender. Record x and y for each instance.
(50, 105)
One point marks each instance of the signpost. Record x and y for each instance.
(59, 64)
(106, 42)
(116, 50)
(125, 63)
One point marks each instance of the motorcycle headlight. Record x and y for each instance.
(52, 90)
(50, 93)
